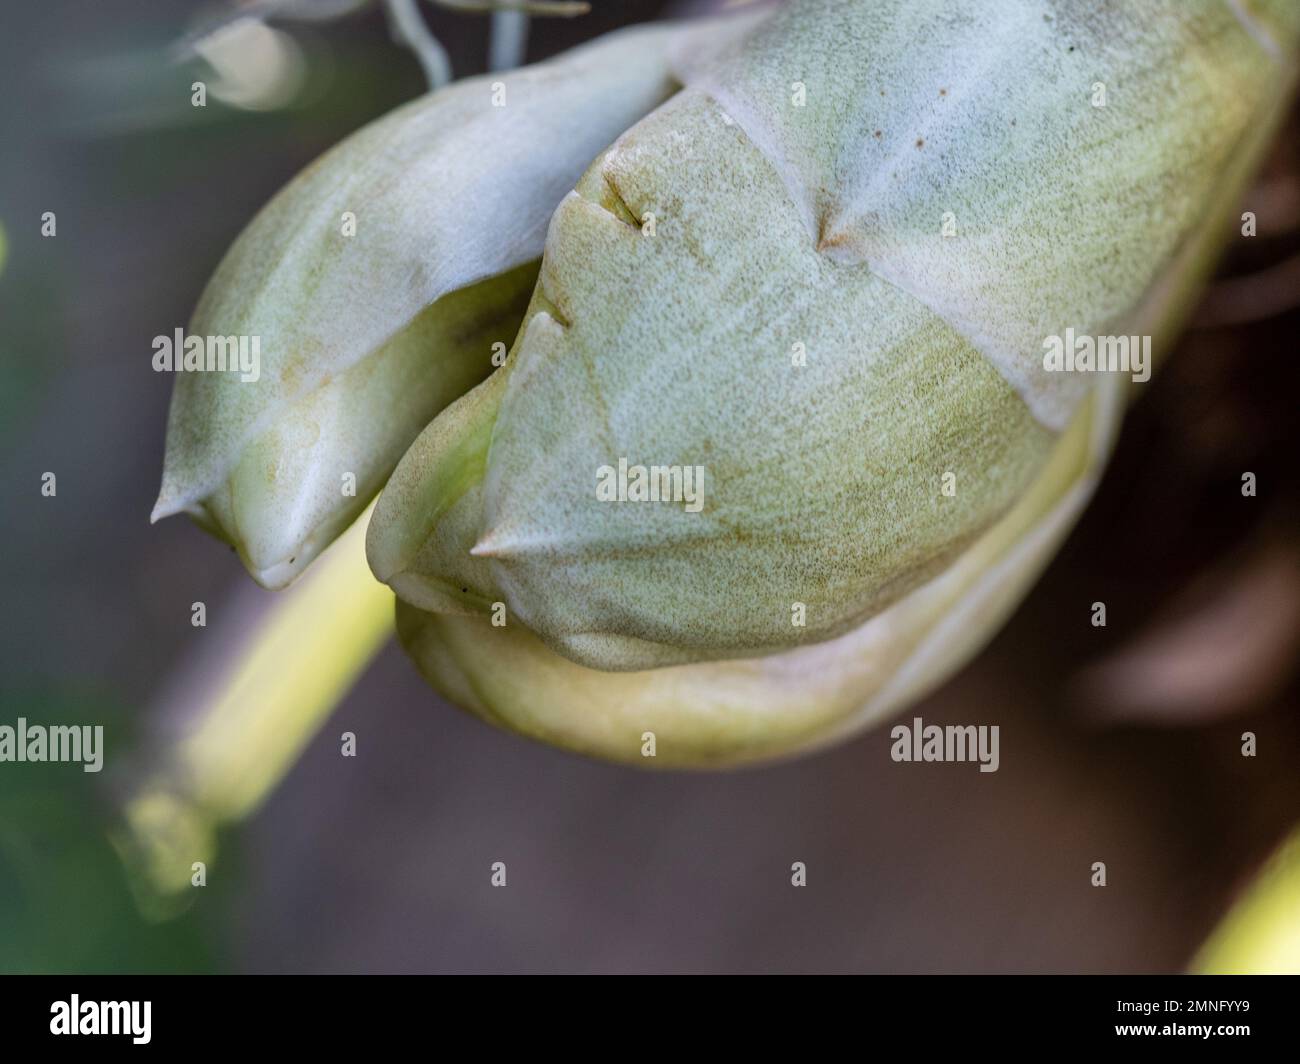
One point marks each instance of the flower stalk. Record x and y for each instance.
(240, 734)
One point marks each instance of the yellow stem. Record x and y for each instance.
(294, 666)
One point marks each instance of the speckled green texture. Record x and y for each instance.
(984, 109)
(726, 713)
(822, 481)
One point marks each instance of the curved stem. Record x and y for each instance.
(409, 29)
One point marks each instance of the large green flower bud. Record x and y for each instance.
(377, 284)
(817, 284)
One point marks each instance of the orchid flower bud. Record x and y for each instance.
(375, 288)
(790, 425)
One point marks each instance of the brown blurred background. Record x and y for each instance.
(1119, 744)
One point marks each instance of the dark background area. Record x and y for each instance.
(380, 863)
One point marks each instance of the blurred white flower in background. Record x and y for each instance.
(257, 67)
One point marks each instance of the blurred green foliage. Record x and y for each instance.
(65, 903)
